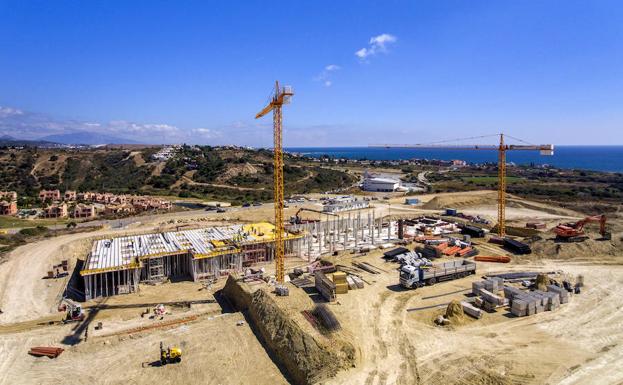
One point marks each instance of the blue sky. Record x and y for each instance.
(363, 71)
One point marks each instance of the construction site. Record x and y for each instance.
(475, 287)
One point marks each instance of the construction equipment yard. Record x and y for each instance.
(236, 330)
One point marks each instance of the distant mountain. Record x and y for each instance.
(85, 137)
(7, 140)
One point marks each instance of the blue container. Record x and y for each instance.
(451, 212)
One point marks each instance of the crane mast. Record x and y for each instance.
(502, 188)
(280, 97)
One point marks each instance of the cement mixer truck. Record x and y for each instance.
(413, 277)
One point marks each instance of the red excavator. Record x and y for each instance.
(574, 232)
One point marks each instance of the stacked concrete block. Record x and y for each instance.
(471, 310)
(519, 307)
(492, 285)
(533, 302)
(494, 299)
(477, 286)
(511, 292)
(562, 293)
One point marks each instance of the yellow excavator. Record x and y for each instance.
(170, 355)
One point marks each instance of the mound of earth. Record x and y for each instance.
(307, 356)
(463, 200)
(454, 312)
(588, 249)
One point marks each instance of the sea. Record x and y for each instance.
(595, 158)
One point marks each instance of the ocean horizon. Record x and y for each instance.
(596, 158)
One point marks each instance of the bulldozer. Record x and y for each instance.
(170, 355)
(574, 232)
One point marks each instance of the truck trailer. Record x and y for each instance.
(413, 277)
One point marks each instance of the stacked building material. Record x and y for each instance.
(451, 250)
(562, 293)
(493, 284)
(477, 286)
(430, 252)
(462, 252)
(358, 281)
(519, 307)
(511, 292)
(351, 283)
(498, 258)
(516, 246)
(325, 286)
(492, 298)
(471, 310)
(532, 302)
(341, 284)
(40, 351)
(473, 231)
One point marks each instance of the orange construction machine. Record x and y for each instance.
(574, 232)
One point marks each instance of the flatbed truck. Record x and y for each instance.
(412, 277)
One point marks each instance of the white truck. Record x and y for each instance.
(413, 277)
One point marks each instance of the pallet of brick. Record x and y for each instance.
(500, 281)
(479, 302)
(341, 284)
(325, 286)
(511, 292)
(471, 310)
(562, 293)
(519, 308)
(491, 285)
(492, 298)
(341, 288)
(339, 277)
(477, 286)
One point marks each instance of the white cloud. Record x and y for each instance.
(206, 133)
(131, 128)
(8, 111)
(376, 44)
(325, 75)
(362, 53)
(332, 67)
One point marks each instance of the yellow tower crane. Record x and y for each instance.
(502, 148)
(279, 97)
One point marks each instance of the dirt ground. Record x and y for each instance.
(580, 343)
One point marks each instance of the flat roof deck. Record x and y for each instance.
(126, 252)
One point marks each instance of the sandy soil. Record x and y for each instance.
(552, 347)
(580, 343)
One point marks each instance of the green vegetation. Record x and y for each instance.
(489, 180)
(220, 173)
(12, 222)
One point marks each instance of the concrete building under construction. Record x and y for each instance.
(116, 266)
